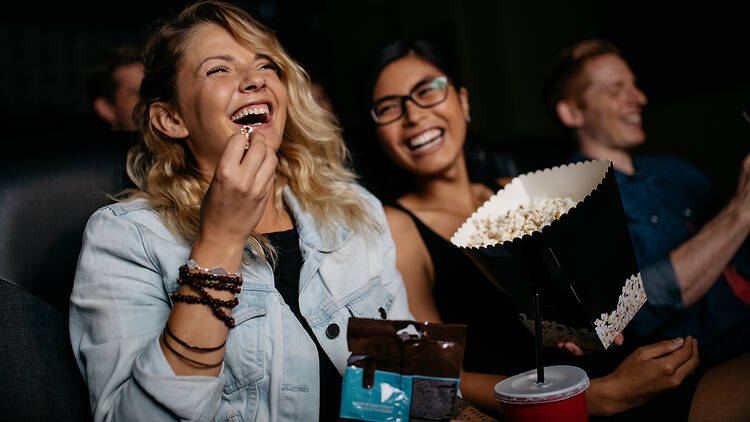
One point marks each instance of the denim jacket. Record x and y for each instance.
(120, 302)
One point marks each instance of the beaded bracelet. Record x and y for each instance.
(191, 264)
(204, 299)
(228, 320)
(227, 278)
(230, 287)
(193, 361)
(199, 278)
(190, 346)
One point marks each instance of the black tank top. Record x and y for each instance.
(286, 279)
(496, 342)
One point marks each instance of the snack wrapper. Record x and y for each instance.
(401, 370)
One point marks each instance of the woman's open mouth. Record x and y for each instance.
(425, 139)
(252, 115)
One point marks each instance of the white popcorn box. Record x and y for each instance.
(582, 263)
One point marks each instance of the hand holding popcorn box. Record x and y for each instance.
(560, 232)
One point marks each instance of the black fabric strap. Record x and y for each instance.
(190, 346)
(185, 358)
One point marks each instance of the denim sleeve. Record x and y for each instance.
(118, 309)
(663, 294)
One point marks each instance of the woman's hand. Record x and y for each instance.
(237, 197)
(644, 373)
(571, 349)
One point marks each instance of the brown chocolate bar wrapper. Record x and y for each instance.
(411, 348)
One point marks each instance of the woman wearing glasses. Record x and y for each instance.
(420, 114)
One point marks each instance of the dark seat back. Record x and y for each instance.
(46, 197)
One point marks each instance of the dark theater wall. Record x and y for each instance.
(689, 60)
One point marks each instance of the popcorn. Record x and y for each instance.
(525, 219)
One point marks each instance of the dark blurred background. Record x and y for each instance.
(690, 60)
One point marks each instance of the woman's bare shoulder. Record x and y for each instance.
(405, 234)
(399, 220)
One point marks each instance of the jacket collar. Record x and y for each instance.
(309, 231)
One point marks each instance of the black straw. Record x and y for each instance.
(538, 335)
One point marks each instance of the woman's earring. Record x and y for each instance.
(468, 118)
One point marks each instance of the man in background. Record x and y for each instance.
(113, 84)
(692, 260)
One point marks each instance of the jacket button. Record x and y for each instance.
(333, 331)
(383, 315)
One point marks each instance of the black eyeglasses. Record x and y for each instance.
(426, 94)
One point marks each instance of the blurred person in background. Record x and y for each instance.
(113, 82)
(690, 250)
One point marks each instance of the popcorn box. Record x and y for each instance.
(581, 259)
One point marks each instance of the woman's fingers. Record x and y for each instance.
(254, 157)
(619, 339)
(681, 355)
(267, 168)
(690, 364)
(570, 348)
(677, 365)
(660, 349)
(258, 166)
(233, 150)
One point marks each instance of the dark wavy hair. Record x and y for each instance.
(383, 177)
(402, 48)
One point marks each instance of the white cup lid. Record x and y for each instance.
(560, 383)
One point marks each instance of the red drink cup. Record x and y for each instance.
(562, 396)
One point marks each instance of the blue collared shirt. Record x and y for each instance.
(666, 201)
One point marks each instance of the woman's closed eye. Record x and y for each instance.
(269, 66)
(385, 107)
(428, 89)
(216, 69)
(425, 89)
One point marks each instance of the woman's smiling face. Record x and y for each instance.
(221, 86)
(424, 141)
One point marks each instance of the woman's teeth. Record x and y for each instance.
(253, 114)
(424, 138)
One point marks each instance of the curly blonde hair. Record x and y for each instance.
(312, 157)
